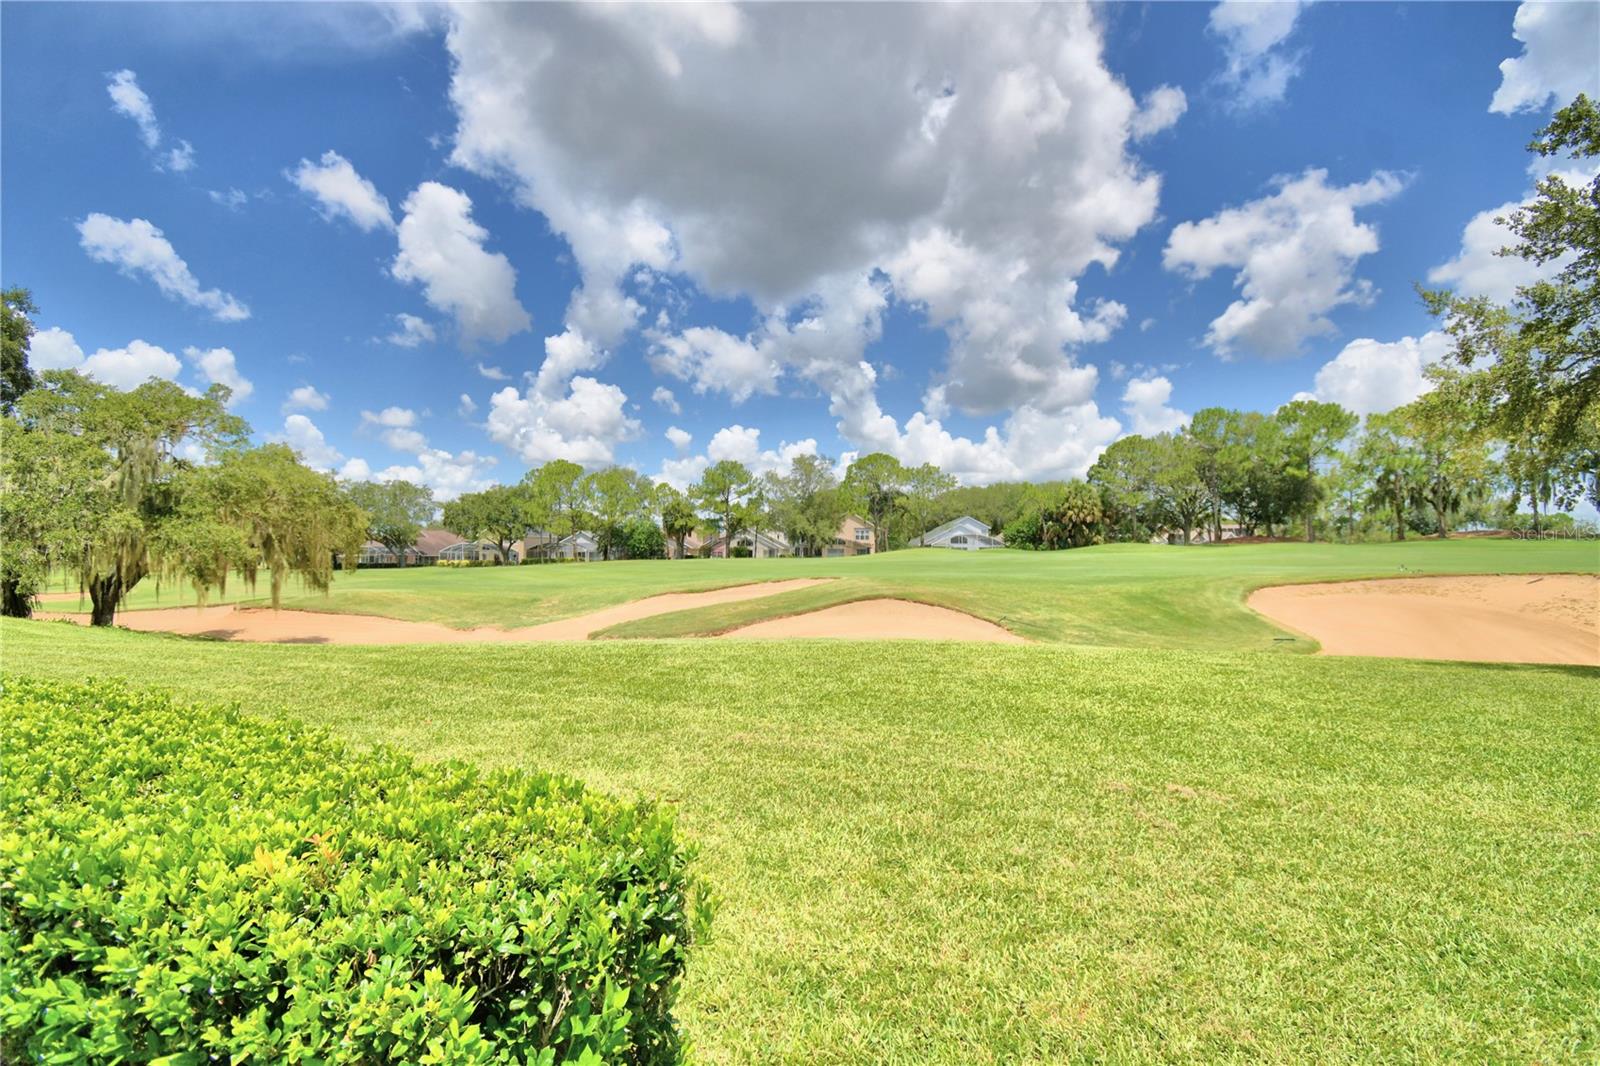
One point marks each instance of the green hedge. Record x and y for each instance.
(187, 885)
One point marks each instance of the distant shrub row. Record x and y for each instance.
(187, 885)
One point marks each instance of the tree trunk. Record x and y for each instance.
(1311, 529)
(14, 603)
(1186, 533)
(104, 592)
(1399, 521)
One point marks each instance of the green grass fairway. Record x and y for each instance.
(1117, 595)
(973, 854)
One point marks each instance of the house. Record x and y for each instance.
(965, 533)
(430, 542)
(425, 552)
(539, 544)
(479, 551)
(579, 546)
(375, 554)
(691, 547)
(1200, 534)
(756, 545)
(854, 538)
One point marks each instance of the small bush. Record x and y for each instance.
(185, 884)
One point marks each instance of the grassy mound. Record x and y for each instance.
(185, 884)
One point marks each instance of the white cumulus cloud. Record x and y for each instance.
(1254, 41)
(713, 360)
(412, 331)
(138, 248)
(219, 367)
(342, 193)
(1294, 251)
(131, 366)
(1370, 376)
(1560, 56)
(1148, 405)
(54, 349)
(970, 161)
(441, 248)
(396, 427)
(1477, 269)
(585, 425)
(663, 398)
(1161, 109)
(302, 434)
(128, 99)
(127, 367)
(448, 474)
(179, 158)
(306, 398)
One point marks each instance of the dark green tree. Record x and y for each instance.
(16, 331)
(1313, 433)
(723, 492)
(877, 484)
(678, 519)
(396, 512)
(806, 503)
(140, 432)
(1539, 360)
(498, 515)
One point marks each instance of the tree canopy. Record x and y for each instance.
(498, 515)
(396, 512)
(117, 486)
(724, 493)
(16, 331)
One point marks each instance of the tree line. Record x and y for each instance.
(632, 517)
(116, 487)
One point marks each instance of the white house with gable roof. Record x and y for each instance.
(965, 534)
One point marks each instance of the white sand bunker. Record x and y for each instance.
(1524, 618)
(880, 620)
(314, 627)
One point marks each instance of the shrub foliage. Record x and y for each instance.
(186, 885)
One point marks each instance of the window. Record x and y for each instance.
(958, 539)
(863, 533)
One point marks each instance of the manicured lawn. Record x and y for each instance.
(1117, 595)
(961, 853)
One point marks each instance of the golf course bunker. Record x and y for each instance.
(1521, 618)
(315, 627)
(883, 619)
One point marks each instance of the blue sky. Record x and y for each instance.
(994, 238)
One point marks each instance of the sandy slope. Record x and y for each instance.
(880, 620)
(1553, 618)
(312, 627)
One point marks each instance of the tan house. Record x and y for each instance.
(854, 538)
(691, 547)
